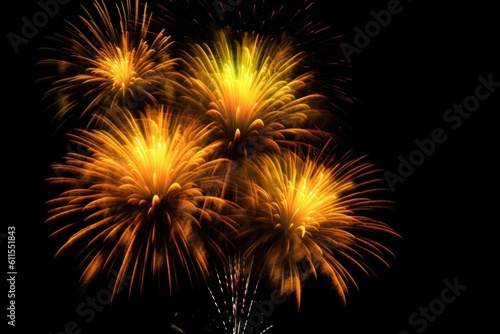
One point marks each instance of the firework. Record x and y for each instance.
(235, 299)
(221, 146)
(253, 92)
(294, 23)
(311, 216)
(137, 200)
(112, 58)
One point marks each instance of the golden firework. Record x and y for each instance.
(311, 216)
(137, 199)
(104, 62)
(254, 90)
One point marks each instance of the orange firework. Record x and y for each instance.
(310, 217)
(105, 63)
(137, 200)
(254, 91)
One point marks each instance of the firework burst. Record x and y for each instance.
(137, 199)
(103, 63)
(253, 92)
(311, 217)
(295, 23)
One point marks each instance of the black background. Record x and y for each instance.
(428, 58)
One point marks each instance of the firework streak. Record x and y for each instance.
(235, 301)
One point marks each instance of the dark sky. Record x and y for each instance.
(427, 60)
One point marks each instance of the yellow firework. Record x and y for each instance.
(103, 62)
(136, 201)
(254, 90)
(310, 218)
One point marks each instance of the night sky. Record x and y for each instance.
(407, 83)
